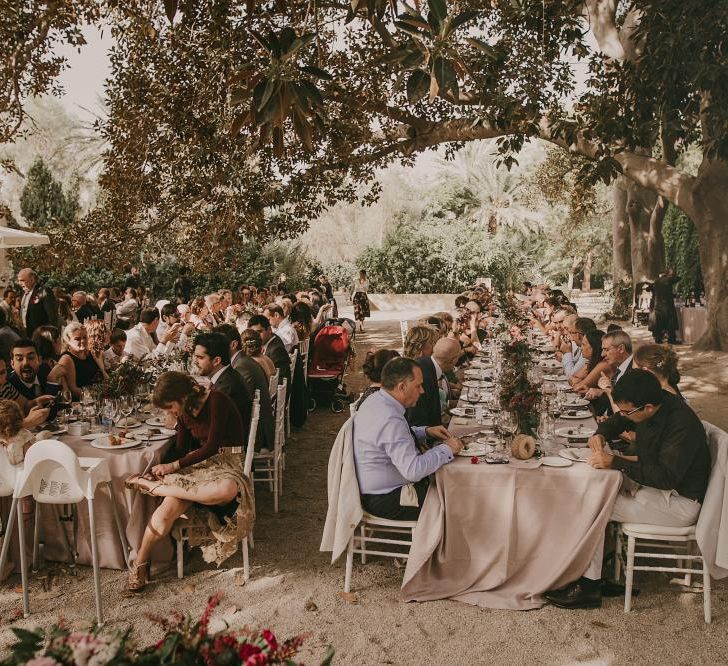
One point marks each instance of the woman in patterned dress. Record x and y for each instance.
(360, 299)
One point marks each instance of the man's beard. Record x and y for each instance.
(27, 374)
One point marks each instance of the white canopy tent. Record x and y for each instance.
(16, 238)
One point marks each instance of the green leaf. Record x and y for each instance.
(272, 85)
(418, 85)
(303, 129)
(406, 27)
(286, 38)
(313, 93)
(483, 47)
(413, 59)
(261, 40)
(445, 74)
(434, 23)
(275, 45)
(438, 8)
(460, 20)
(170, 9)
(414, 21)
(329, 658)
(317, 72)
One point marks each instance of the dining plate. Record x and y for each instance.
(103, 443)
(126, 423)
(491, 440)
(575, 402)
(555, 461)
(460, 411)
(555, 378)
(472, 450)
(143, 435)
(56, 431)
(155, 422)
(92, 436)
(579, 433)
(576, 414)
(548, 363)
(577, 455)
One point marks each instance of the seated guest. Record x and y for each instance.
(7, 335)
(9, 305)
(115, 353)
(372, 369)
(170, 331)
(251, 345)
(78, 367)
(99, 337)
(104, 302)
(385, 449)
(273, 347)
(661, 361)
(671, 466)
(139, 340)
(48, 342)
(617, 352)
(128, 309)
(200, 316)
(36, 414)
(571, 358)
(199, 471)
(588, 376)
(282, 326)
(82, 309)
(445, 357)
(421, 340)
(212, 358)
(255, 378)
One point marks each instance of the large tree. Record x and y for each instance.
(231, 118)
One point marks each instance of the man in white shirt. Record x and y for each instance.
(282, 326)
(139, 340)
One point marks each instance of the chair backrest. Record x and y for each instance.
(8, 474)
(273, 383)
(248, 464)
(53, 475)
(303, 347)
(293, 357)
(280, 432)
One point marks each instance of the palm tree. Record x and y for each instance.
(491, 197)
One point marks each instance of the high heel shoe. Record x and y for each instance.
(139, 575)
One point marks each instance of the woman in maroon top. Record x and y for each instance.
(200, 479)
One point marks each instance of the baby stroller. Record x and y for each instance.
(330, 357)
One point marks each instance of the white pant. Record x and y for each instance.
(650, 506)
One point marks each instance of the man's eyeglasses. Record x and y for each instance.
(633, 411)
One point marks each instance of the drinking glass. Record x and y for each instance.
(108, 412)
(508, 424)
(126, 407)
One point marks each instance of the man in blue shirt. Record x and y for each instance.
(386, 452)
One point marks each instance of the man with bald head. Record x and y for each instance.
(445, 355)
(82, 308)
(38, 306)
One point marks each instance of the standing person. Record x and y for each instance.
(128, 309)
(182, 286)
(38, 305)
(663, 319)
(10, 305)
(133, 280)
(282, 284)
(360, 299)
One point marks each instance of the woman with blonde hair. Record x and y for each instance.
(78, 366)
(251, 344)
(420, 341)
(661, 361)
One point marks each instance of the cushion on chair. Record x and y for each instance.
(386, 522)
(644, 531)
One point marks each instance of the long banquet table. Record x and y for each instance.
(499, 536)
(134, 510)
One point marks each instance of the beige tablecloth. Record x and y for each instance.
(499, 536)
(693, 322)
(134, 509)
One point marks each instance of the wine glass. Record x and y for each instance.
(108, 413)
(508, 423)
(126, 407)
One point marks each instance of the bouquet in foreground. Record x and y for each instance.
(186, 642)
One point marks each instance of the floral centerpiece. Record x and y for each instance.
(186, 641)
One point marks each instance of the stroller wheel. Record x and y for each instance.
(312, 405)
(337, 405)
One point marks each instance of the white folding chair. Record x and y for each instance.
(294, 359)
(303, 348)
(674, 544)
(8, 478)
(273, 384)
(268, 463)
(181, 530)
(53, 474)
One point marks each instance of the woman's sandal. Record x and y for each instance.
(139, 575)
(132, 483)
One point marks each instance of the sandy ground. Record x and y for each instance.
(294, 588)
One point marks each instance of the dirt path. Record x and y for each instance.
(294, 588)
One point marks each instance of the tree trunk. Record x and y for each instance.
(574, 265)
(710, 212)
(621, 256)
(586, 281)
(645, 211)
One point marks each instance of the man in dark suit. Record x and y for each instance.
(427, 411)
(38, 305)
(617, 351)
(212, 357)
(82, 308)
(273, 347)
(255, 379)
